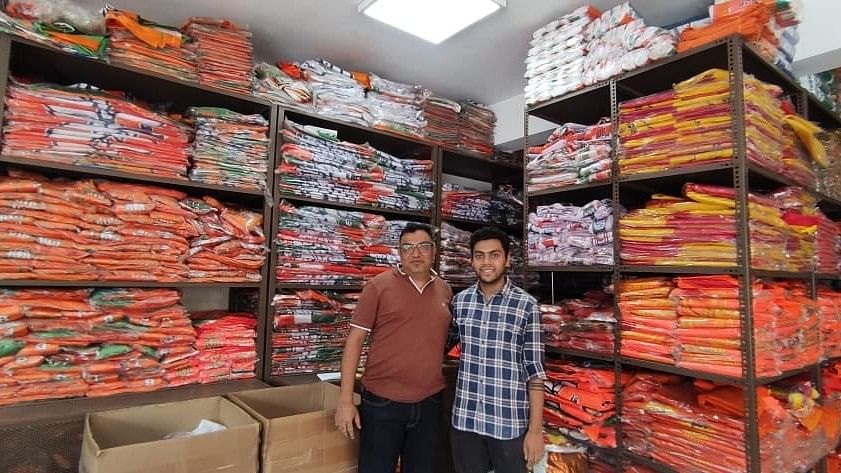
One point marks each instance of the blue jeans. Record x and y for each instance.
(392, 430)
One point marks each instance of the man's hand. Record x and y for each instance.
(533, 447)
(347, 416)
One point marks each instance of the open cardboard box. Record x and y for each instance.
(299, 429)
(132, 440)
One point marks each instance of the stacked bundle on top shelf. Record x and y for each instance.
(699, 230)
(397, 107)
(83, 125)
(318, 245)
(442, 121)
(573, 154)
(561, 234)
(284, 85)
(79, 342)
(584, 324)
(227, 349)
(230, 148)
(223, 53)
(50, 26)
(691, 125)
(86, 231)
(581, 402)
(456, 260)
(701, 426)
(350, 173)
(310, 329)
(337, 92)
(476, 128)
(494, 208)
(137, 42)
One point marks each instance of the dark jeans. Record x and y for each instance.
(474, 453)
(392, 430)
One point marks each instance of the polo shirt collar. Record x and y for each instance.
(419, 288)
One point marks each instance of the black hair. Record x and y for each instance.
(490, 233)
(413, 227)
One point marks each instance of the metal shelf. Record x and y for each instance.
(319, 287)
(178, 284)
(518, 229)
(679, 269)
(354, 207)
(587, 105)
(37, 411)
(579, 354)
(654, 366)
(92, 171)
(763, 273)
(486, 159)
(597, 268)
(569, 189)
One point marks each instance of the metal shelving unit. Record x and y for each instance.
(590, 104)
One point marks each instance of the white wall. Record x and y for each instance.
(509, 123)
(820, 42)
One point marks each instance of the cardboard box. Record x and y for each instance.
(299, 429)
(131, 440)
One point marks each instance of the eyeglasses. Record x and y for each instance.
(423, 247)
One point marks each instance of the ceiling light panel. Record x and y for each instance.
(432, 20)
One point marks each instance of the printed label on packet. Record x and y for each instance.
(108, 235)
(41, 347)
(18, 254)
(149, 382)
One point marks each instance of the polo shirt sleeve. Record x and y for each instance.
(366, 308)
(533, 348)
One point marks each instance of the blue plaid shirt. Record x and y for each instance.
(501, 350)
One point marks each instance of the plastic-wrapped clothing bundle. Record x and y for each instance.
(649, 320)
(518, 274)
(227, 349)
(477, 124)
(81, 342)
(397, 107)
(699, 230)
(229, 148)
(699, 427)
(223, 53)
(337, 92)
(57, 23)
(829, 308)
(573, 154)
(580, 402)
(562, 234)
(442, 121)
(310, 330)
(325, 246)
(138, 42)
(83, 125)
(829, 178)
(499, 208)
(283, 84)
(316, 165)
(456, 259)
(584, 324)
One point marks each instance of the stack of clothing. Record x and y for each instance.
(477, 124)
(310, 330)
(456, 260)
(690, 125)
(649, 320)
(829, 177)
(442, 121)
(827, 258)
(580, 402)
(562, 234)
(316, 165)
(62, 25)
(227, 349)
(397, 107)
(318, 245)
(699, 230)
(829, 310)
(574, 154)
(230, 245)
(140, 43)
(769, 26)
(584, 324)
(555, 61)
(518, 274)
(619, 41)
(498, 208)
(82, 125)
(699, 426)
(79, 342)
(223, 53)
(799, 210)
(230, 148)
(283, 84)
(337, 92)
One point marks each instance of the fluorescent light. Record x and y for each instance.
(432, 20)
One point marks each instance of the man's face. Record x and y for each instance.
(417, 252)
(490, 261)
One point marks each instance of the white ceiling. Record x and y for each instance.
(484, 62)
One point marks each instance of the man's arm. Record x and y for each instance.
(533, 353)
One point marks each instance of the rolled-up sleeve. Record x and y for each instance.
(533, 348)
(365, 315)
